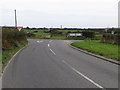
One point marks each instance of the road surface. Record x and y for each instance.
(54, 64)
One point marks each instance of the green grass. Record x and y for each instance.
(42, 33)
(103, 49)
(63, 36)
(65, 31)
(34, 30)
(58, 37)
(6, 55)
(54, 37)
(98, 36)
(38, 38)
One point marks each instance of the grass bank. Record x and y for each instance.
(7, 55)
(103, 49)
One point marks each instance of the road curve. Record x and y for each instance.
(54, 64)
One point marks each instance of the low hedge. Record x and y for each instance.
(111, 38)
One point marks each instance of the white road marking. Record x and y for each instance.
(48, 45)
(52, 51)
(99, 86)
(13, 58)
(39, 41)
(50, 41)
(68, 41)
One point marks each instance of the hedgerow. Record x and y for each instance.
(111, 38)
(12, 37)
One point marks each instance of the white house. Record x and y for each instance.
(74, 35)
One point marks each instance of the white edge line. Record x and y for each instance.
(52, 51)
(10, 62)
(12, 59)
(83, 75)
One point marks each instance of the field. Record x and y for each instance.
(103, 49)
(64, 31)
(40, 34)
(34, 30)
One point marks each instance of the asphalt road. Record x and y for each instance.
(54, 64)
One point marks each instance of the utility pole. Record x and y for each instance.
(119, 14)
(15, 19)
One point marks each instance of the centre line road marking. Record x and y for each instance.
(48, 45)
(52, 51)
(99, 86)
(39, 41)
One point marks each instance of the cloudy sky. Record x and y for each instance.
(53, 13)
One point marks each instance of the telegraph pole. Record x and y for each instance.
(15, 19)
(119, 14)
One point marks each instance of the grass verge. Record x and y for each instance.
(37, 38)
(42, 33)
(103, 49)
(6, 55)
(58, 37)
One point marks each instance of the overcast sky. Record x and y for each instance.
(53, 13)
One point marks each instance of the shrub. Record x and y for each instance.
(111, 38)
(30, 35)
(12, 37)
(88, 34)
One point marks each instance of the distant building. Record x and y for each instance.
(113, 32)
(74, 34)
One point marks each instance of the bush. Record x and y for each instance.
(111, 38)
(30, 35)
(55, 32)
(12, 37)
(75, 38)
(88, 34)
